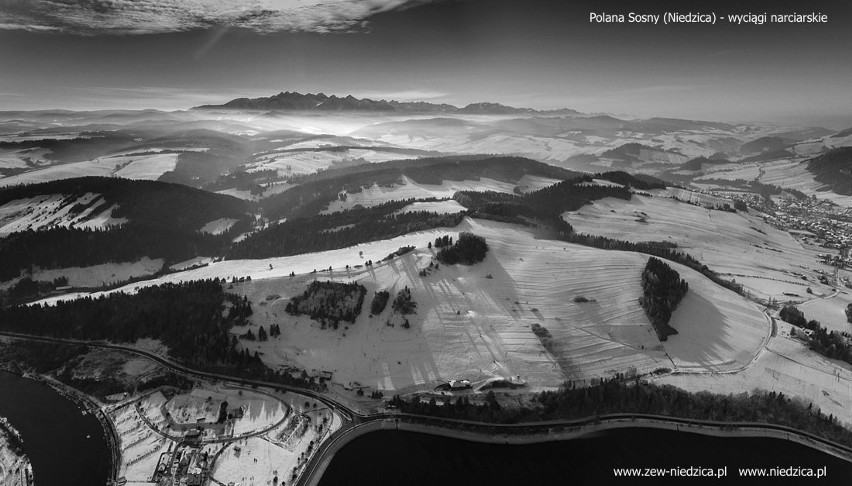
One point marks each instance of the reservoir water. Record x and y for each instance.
(412, 459)
(55, 433)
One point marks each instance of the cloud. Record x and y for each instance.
(129, 17)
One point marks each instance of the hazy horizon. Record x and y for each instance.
(173, 55)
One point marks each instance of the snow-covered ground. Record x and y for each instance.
(816, 146)
(14, 466)
(831, 312)
(794, 175)
(474, 322)
(601, 182)
(17, 159)
(258, 460)
(444, 207)
(145, 167)
(192, 262)
(737, 245)
(260, 411)
(785, 366)
(730, 172)
(308, 162)
(374, 195)
(140, 446)
(531, 183)
(218, 226)
(150, 167)
(97, 167)
(98, 275)
(55, 210)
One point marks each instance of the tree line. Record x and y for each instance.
(831, 344)
(186, 317)
(329, 302)
(316, 191)
(467, 250)
(662, 291)
(339, 230)
(76, 247)
(618, 396)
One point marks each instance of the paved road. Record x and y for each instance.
(354, 420)
(348, 413)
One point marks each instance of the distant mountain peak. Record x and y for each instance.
(294, 101)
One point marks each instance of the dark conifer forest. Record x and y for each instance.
(191, 318)
(662, 291)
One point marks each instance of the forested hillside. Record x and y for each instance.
(186, 317)
(339, 230)
(316, 191)
(162, 222)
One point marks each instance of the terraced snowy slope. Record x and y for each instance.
(795, 175)
(145, 167)
(737, 245)
(97, 167)
(476, 322)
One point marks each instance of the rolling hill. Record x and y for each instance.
(86, 222)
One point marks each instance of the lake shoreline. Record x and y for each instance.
(90, 405)
(567, 433)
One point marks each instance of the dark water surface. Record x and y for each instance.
(54, 433)
(412, 459)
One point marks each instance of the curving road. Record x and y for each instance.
(348, 413)
(354, 422)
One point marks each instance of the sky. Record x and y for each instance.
(175, 54)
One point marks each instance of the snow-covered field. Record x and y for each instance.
(55, 210)
(192, 262)
(97, 167)
(474, 323)
(375, 195)
(308, 162)
(831, 312)
(18, 159)
(730, 172)
(815, 147)
(785, 366)
(145, 167)
(795, 175)
(444, 207)
(218, 226)
(98, 275)
(531, 183)
(737, 245)
(149, 166)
